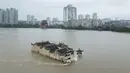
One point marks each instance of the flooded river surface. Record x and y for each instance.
(104, 52)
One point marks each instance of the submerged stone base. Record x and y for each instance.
(54, 55)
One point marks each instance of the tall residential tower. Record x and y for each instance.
(69, 13)
(31, 19)
(9, 16)
(13, 16)
(95, 19)
(1, 16)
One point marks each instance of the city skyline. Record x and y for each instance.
(9, 16)
(54, 8)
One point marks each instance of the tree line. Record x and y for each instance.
(20, 25)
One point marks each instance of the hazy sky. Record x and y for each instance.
(54, 8)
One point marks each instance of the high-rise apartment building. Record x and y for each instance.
(1, 16)
(6, 16)
(31, 19)
(12, 14)
(69, 13)
(9, 16)
(95, 19)
(94, 16)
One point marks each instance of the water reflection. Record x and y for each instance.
(70, 38)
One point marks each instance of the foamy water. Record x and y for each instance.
(34, 62)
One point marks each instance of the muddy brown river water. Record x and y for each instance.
(104, 52)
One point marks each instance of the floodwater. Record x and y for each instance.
(104, 52)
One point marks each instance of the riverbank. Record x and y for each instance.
(19, 26)
(99, 28)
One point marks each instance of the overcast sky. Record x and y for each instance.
(54, 8)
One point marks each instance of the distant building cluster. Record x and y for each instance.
(70, 18)
(31, 19)
(54, 21)
(8, 16)
(69, 13)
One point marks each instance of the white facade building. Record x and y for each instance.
(1, 16)
(28, 18)
(31, 19)
(94, 16)
(80, 17)
(69, 13)
(15, 16)
(9, 16)
(6, 16)
(95, 19)
(12, 15)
